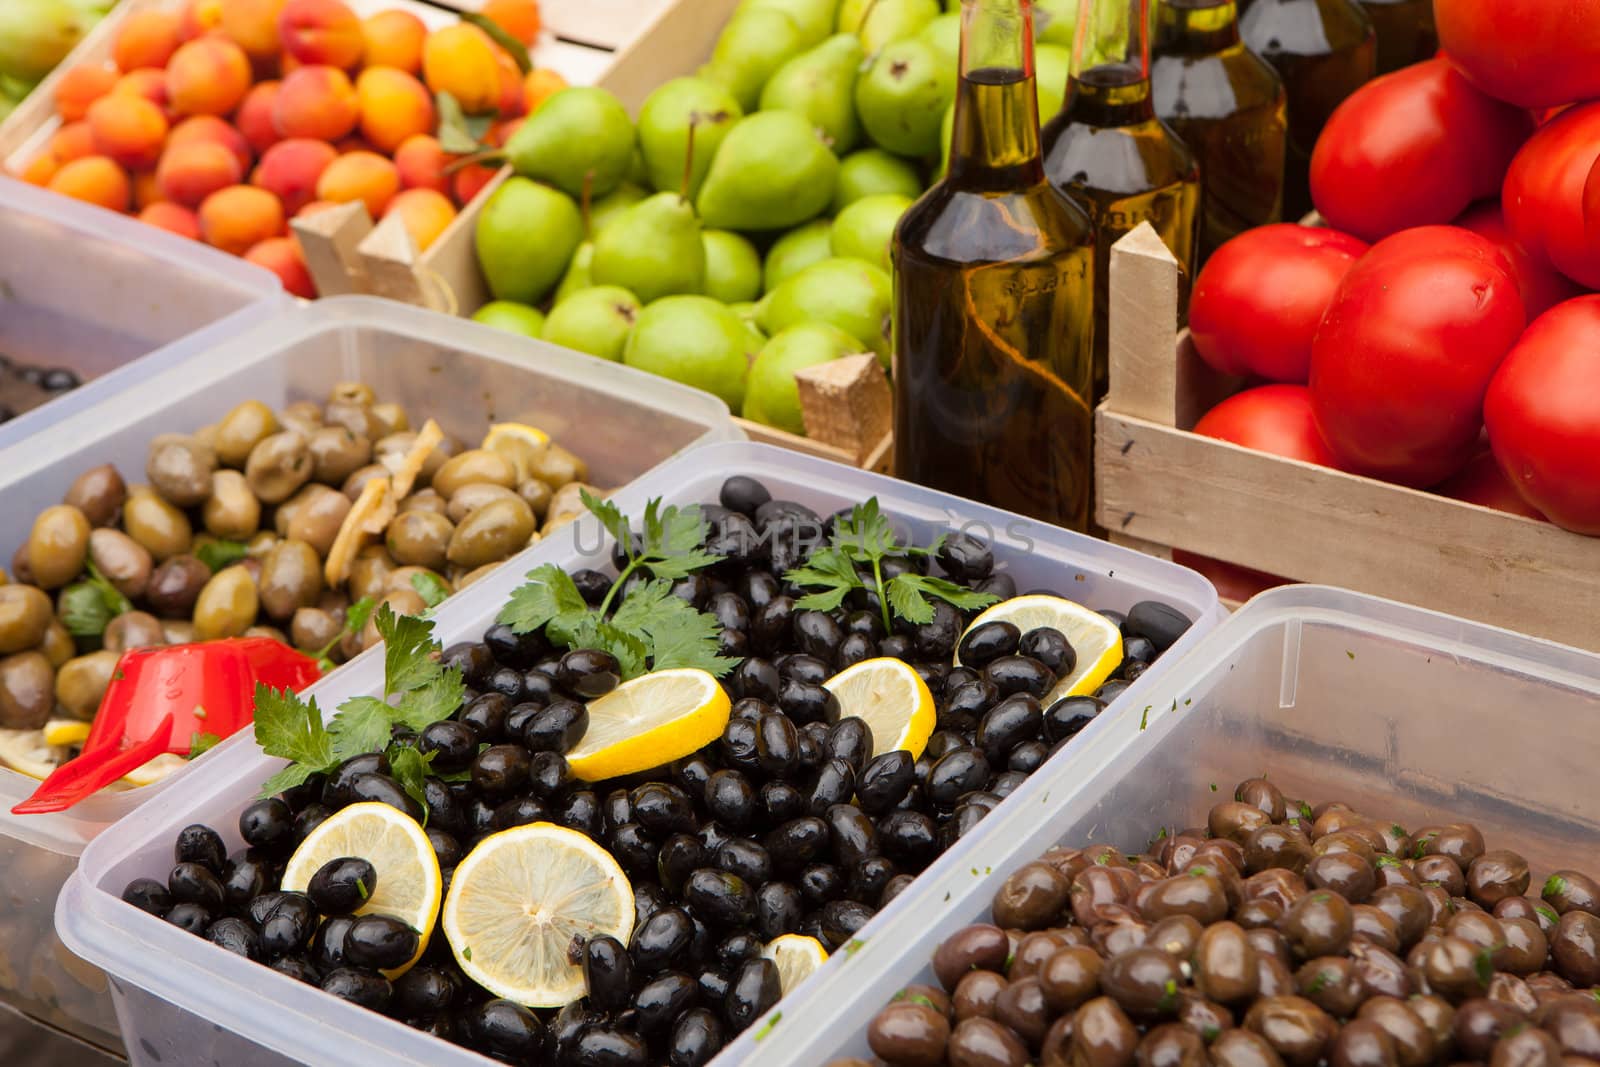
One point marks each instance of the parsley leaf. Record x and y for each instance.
(672, 539)
(631, 652)
(220, 554)
(355, 617)
(291, 728)
(409, 767)
(115, 602)
(548, 595)
(363, 724)
(920, 587)
(1483, 965)
(407, 644)
(1554, 886)
(437, 698)
(611, 517)
(430, 587)
(83, 610)
(200, 744)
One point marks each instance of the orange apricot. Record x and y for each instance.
(519, 18)
(469, 180)
(313, 208)
(540, 85)
(394, 39)
(79, 87)
(207, 76)
(425, 214)
(211, 128)
(321, 32)
(198, 18)
(460, 60)
(72, 141)
(290, 170)
(315, 101)
(498, 134)
(174, 218)
(94, 180)
(128, 129)
(147, 82)
(235, 218)
(421, 163)
(40, 169)
(394, 106)
(282, 256)
(510, 102)
(253, 26)
(146, 39)
(188, 173)
(364, 176)
(254, 119)
(146, 190)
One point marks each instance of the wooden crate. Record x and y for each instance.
(1161, 487)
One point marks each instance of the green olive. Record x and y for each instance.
(156, 524)
(401, 602)
(180, 469)
(473, 575)
(537, 494)
(232, 513)
(496, 531)
(470, 498)
(57, 644)
(357, 393)
(58, 545)
(207, 435)
(268, 631)
(20, 571)
(241, 429)
(312, 629)
(125, 562)
(391, 418)
(404, 578)
(98, 493)
(81, 682)
(476, 465)
(227, 605)
(259, 545)
(25, 612)
(369, 574)
(317, 520)
(178, 631)
(133, 629)
(336, 453)
(278, 466)
(291, 578)
(303, 417)
(419, 538)
(566, 504)
(27, 691)
(397, 445)
(556, 467)
(357, 418)
(425, 500)
(358, 481)
(175, 585)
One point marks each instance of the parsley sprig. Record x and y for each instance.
(417, 691)
(862, 542)
(649, 627)
(355, 618)
(88, 606)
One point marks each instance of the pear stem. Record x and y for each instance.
(496, 156)
(688, 157)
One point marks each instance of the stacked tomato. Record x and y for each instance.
(1441, 331)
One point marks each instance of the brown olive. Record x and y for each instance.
(1144, 982)
(1408, 907)
(355, 417)
(291, 579)
(1380, 971)
(241, 429)
(1362, 1043)
(98, 492)
(1021, 1007)
(58, 546)
(180, 469)
(1332, 816)
(1575, 947)
(227, 606)
(27, 691)
(980, 947)
(1575, 1024)
(1524, 947)
(313, 629)
(175, 585)
(975, 994)
(1441, 871)
(908, 1033)
(1374, 926)
(57, 644)
(1360, 840)
(1346, 873)
(1032, 898)
(1096, 888)
(1243, 1048)
(1234, 820)
(336, 453)
(1332, 984)
(1260, 793)
(133, 629)
(161, 528)
(1462, 842)
(1254, 913)
(537, 494)
(1225, 964)
(1270, 943)
(369, 574)
(984, 1043)
(1273, 977)
(1413, 1040)
(81, 682)
(1177, 936)
(419, 539)
(1102, 1035)
(271, 632)
(1295, 1027)
(1205, 1017)
(391, 418)
(1273, 846)
(1529, 1047)
(1477, 928)
(1497, 875)
(1438, 1017)
(557, 467)
(1071, 977)
(1055, 1049)
(1032, 951)
(1571, 891)
(1511, 990)
(232, 512)
(1451, 966)
(494, 532)
(1116, 936)
(1281, 886)
(318, 518)
(409, 577)
(1479, 1023)
(1171, 1045)
(20, 571)
(471, 497)
(25, 613)
(278, 466)
(1318, 924)
(425, 500)
(475, 465)
(1192, 893)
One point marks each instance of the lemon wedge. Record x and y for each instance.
(796, 956)
(519, 444)
(518, 900)
(66, 732)
(1095, 638)
(158, 768)
(409, 884)
(27, 752)
(650, 721)
(893, 700)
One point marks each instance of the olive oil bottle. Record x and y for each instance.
(1108, 150)
(1406, 33)
(1324, 50)
(1229, 106)
(994, 287)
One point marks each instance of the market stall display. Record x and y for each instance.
(35, 35)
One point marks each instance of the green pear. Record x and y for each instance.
(577, 276)
(947, 133)
(888, 21)
(604, 211)
(754, 338)
(865, 229)
(579, 134)
(1051, 63)
(664, 122)
(596, 321)
(820, 84)
(526, 235)
(733, 267)
(944, 33)
(754, 44)
(771, 395)
(1055, 22)
(510, 316)
(847, 293)
(795, 251)
(814, 17)
(694, 340)
(773, 171)
(902, 96)
(872, 171)
(653, 249)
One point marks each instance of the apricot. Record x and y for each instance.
(174, 218)
(198, 18)
(501, 132)
(147, 82)
(128, 129)
(469, 180)
(207, 76)
(364, 176)
(510, 102)
(314, 207)
(40, 169)
(315, 101)
(253, 26)
(540, 85)
(519, 18)
(95, 180)
(147, 39)
(79, 87)
(321, 32)
(460, 60)
(425, 214)
(72, 141)
(421, 163)
(146, 190)
(394, 39)
(211, 128)
(188, 173)
(282, 256)
(394, 106)
(240, 216)
(254, 118)
(290, 170)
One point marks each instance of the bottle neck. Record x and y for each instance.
(995, 141)
(1110, 80)
(1196, 27)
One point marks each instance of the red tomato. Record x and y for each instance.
(1258, 299)
(1403, 357)
(1544, 194)
(1532, 53)
(1412, 148)
(1482, 482)
(1542, 286)
(1543, 414)
(1269, 418)
(1591, 209)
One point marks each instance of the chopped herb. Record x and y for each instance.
(1213, 787)
(430, 587)
(854, 945)
(1554, 886)
(1322, 981)
(1483, 964)
(1388, 861)
(974, 871)
(1210, 1033)
(1103, 860)
(766, 1027)
(1397, 830)
(201, 743)
(1321, 898)
(1420, 849)
(355, 618)
(1169, 996)
(1305, 811)
(904, 997)
(219, 555)
(1347, 652)
(361, 887)
(1144, 720)
(466, 953)
(1197, 870)
(1548, 914)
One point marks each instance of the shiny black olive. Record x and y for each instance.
(507, 681)
(910, 838)
(617, 809)
(607, 973)
(478, 817)
(758, 588)
(658, 1003)
(382, 789)
(735, 538)
(426, 990)
(781, 802)
(452, 743)
(202, 845)
(733, 644)
(956, 773)
(569, 1023)
(444, 811)
(505, 1031)
(840, 920)
(1051, 648)
(539, 687)
(295, 967)
(885, 782)
(731, 611)
(817, 634)
(822, 882)
(855, 648)
(681, 855)
(756, 678)
(779, 907)
(342, 885)
(835, 783)
(850, 740)
(501, 770)
(1132, 669)
(730, 799)
(869, 876)
(446, 846)
(1019, 674)
(743, 494)
(149, 895)
(473, 659)
(592, 585)
(850, 833)
(245, 879)
(713, 983)
(662, 940)
(807, 702)
(588, 673)
(609, 1046)
(513, 649)
(1111, 690)
(777, 745)
(557, 728)
(519, 811)
(311, 817)
(1138, 649)
(59, 380)
(962, 822)
(936, 639)
(895, 646)
(797, 842)
(486, 714)
(235, 935)
(1006, 783)
(713, 835)
(1160, 624)
(369, 989)
(944, 741)
(581, 812)
(754, 990)
(380, 941)
(897, 885)
(745, 858)
(933, 674)
(191, 918)
(693, 590)
(662, 809)
(984, 644)
(268, 825)
(720, 897)
(192, 883)
(327, 951)
(1067, 716)
(737, 745)
(803, 668)
(1000, 586)
(772, 624)
(1012, 721)
(965, 558)
(751, 708)
(548, 775)
(648, 898)
(972, 700)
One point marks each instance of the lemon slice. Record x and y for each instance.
(408, 868)
(796, 956)
(518, 900)
(519, 444)
(65, 732)
(27, 752)
(158, 768)
(648, 722)
(892, 698)
(1095, 638)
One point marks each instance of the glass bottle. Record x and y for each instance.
(994, 287)
(1406, 33)
(1107, 149)
(1229, 106)
(1324, 50)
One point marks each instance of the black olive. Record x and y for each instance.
(359, 986)
(607, 973)
(797, 666)
(834, 784)
(735, 949)
(478, 817)
(1019, 674)
(505, 1031)
(235, 935)
(507, 681)
(328, 943)
(268, 825)
(513, 649)
(818, 634)
(192, 918)
(807, 702)
(565, 1028)
(743, 494)
(1050, 647)
(782, 802)
(754, 990)
(745, 858)
(648, 898)
(693, 590)
(971, 700)
(581, 812)
(426, 990)
(486, 713)
(885, 781)
(965, 558)
(245, 879)
(777, 745)
(380, 942)
(758, 589)
(850, 833)
(557, 728)
(662, 809)
(1160, 624)
(850, 740)
(633, 848)
(720, 897)
(202, 845)
(342, 885)
(539, 687)
(856, 648)
(778, 910)
(519, 811)
(1138, 649)
(295, 967)
(662, 940)
(149, 895)
(592, 585)
(452, 743)
(681, 855)
(772, 624)
(1006, 783)
(382, 789)
(588, 673)
(936, 639)
(756, 678)
(501, 770)
(608, 1046)
(962, 771)
(729, 798)
(617, 809)
(733, 644)
(660, 1002)
(59, 380)
(1132, 669)
(738, 744)
(444, 811)
(897, 885)
(910, 838)
(548, 775)
(734, 537)
(1014, 720)
(869, 876)
(1067, 716)
(822, 882)
(1028, 757)
(1111, 690)
(1000, 586)
(446, 846)
(192, 883)
(797, 842)
(731, 611)
(840, 920)
(713, 983)
(962, 822)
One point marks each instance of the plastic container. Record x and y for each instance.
(622, 421)
(85, 288)
(180, 999)
(1393, 709)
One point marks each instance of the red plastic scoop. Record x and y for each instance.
(159, 698)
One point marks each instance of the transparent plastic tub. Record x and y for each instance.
(1390, 708)
(111, 298)
(182, 1000)
(466, 376)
